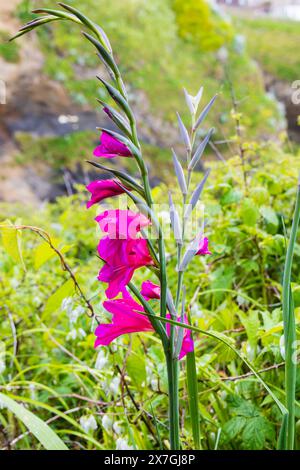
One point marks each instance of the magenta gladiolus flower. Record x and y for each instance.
(122, 224)
(150, 290)
(122, 258)
(128, 317)
(125, 319)
(203, 247)
(111, 147)
(101, 189)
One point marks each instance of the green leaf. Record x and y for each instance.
(269, 215)
(136, 368)
(12, 242)
(54, 302)
(35, 425)
(44, 253)
(256, 432)
(192, 386)
(232, 196)
(249, 212)
(242, 407)
(234, 426)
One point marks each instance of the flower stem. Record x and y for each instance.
(173, 377)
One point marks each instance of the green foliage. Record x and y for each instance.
(202, 25)
(36, 426)
(146, 36)
(274, 44)
(238, 296)
(56, 151)
(9, 51)
(248, 426)
(46, 331)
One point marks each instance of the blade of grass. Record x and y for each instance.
(289, 327)
(45, 435)
(222, 339)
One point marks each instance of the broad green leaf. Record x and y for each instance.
(232, 196)
(45, 435)
(54, 302)
(234, 426)
(11, 242)
(269, 214)
(44, 253)
(255, 433)
(136, 368)
(249, 212)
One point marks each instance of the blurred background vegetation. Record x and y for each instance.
(47, 131)
(51, 111)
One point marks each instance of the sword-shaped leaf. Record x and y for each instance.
(204, 112)
(199, 152)
(117, 97)
(105, 55)
(195, 196)
(124, 177)
(179, 174)
(184, 134)
(175, 223)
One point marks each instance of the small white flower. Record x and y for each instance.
(32, 391)
(114, 385)
(196, 311)
(117, 427)
(36, 300)
(101, 360)
(222, 54)
(67, 304)
(81, 333)
(114, 347)
(154, 383)
(14, 283)
(2, 366)
(72, 334)
(107, 423)
(75, 314)
(88, 423)
(250, 351)
(122, 444)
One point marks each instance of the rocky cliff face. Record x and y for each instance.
(284, 92)
(41, 107)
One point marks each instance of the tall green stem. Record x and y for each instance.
(290, 331)
(173, 375)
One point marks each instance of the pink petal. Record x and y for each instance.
(102, 189)
(122, 258)
(150, 290)
(125, 319)
(187, 342)
(111, 147)
(122, 224)
(203, 247)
